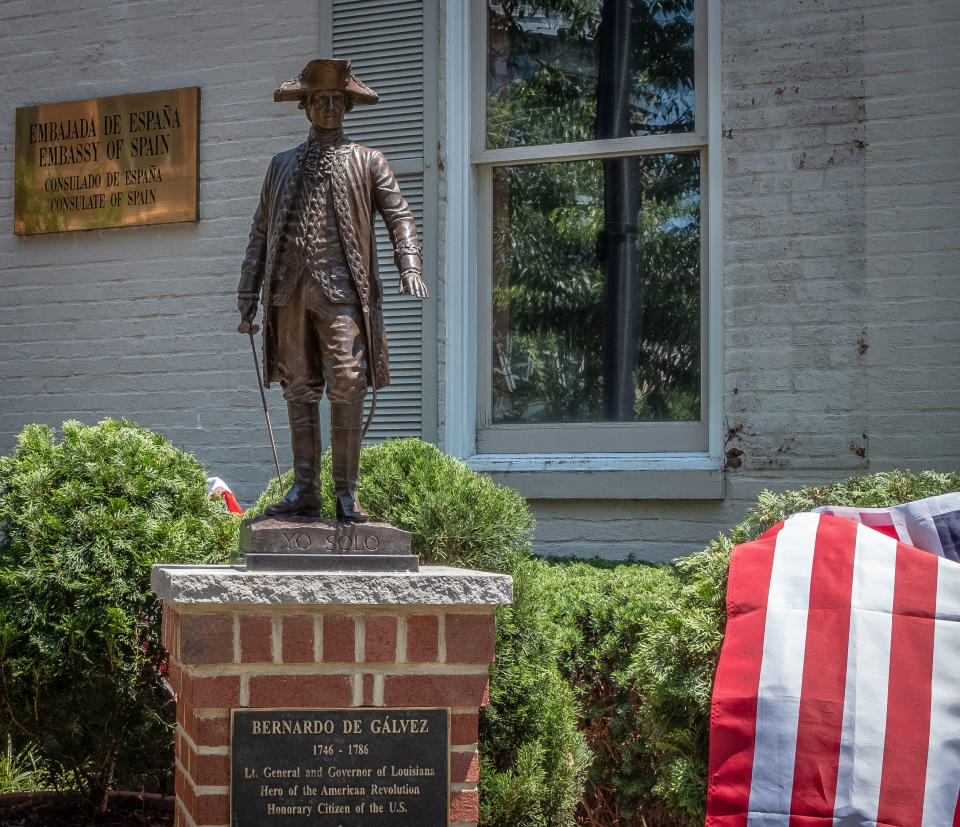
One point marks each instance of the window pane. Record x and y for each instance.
(562, 71)
(596, 291)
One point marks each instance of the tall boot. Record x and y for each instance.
(346, 434)
(304, 498)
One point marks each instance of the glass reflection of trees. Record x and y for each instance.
(596, 263)
(549, 290)
(544, 62)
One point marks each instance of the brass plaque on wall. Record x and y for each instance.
(107, 162)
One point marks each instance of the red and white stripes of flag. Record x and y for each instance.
(837, 697)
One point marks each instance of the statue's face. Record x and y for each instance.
(325, 108)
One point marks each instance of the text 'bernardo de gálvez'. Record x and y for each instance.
(387, 725)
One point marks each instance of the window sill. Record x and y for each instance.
(688, 476)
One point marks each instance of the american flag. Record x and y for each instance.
(837, 696)
(932, 524)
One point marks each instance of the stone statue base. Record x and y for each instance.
(291, 544)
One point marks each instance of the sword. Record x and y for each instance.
(250, 329)
(372, 368)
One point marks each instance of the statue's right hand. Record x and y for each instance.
(247, 305)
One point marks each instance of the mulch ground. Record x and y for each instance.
(43, 811)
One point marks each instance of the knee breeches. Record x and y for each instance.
(320, 344)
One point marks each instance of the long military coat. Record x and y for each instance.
(362, 183)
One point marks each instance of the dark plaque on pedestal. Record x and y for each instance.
(285, 544)
(341, 767)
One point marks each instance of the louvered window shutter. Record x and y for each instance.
(385, 39)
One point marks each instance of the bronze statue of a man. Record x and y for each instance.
(312, 260)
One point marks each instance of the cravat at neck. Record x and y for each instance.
(325, 137)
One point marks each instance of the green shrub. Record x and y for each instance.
(533, 757)
(454, 514)
(607, 614)
(81, 522)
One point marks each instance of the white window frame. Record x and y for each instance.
(667, 468)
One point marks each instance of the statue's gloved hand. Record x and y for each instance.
(411, 284)
(247, 305)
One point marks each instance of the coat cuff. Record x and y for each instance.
(408, 257)
(251, 276)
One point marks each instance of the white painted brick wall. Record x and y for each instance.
(841, 192)
(912, 190)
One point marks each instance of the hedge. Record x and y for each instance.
(599, 696)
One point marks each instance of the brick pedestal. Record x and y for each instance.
(313, 640)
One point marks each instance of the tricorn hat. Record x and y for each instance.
(326, 74)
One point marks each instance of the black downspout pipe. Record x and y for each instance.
(622, 200)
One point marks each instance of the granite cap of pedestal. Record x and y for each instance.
(432, 585)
